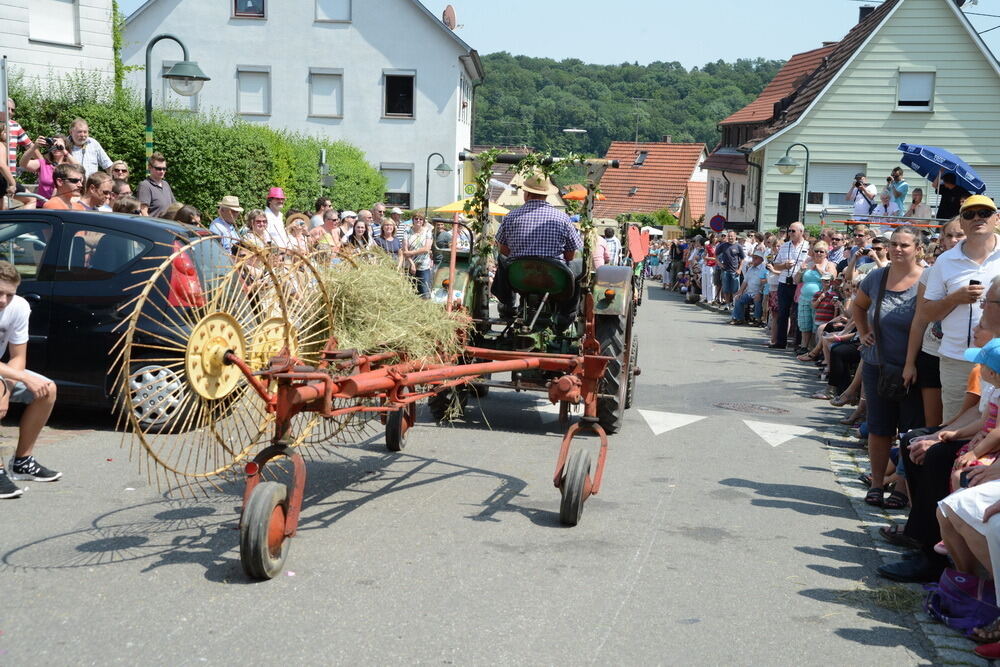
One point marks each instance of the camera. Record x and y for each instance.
(858, 183)
(49, 141)
(789, 281)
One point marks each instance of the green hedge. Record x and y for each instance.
(208, 156)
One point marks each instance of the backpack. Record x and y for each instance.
(961, 601)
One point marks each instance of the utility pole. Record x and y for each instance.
(638, 114)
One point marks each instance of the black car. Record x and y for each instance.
(79, 271)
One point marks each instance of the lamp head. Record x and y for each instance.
(186, 78)
(443, 169)
(786, 164)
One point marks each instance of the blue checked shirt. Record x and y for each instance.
(538, 229)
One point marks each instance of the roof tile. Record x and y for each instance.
(659, 182)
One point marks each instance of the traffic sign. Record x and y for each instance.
(717, 223)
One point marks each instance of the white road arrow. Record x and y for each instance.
(776, 434)
(661, 422)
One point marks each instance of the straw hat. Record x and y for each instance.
(538, 183)
(231, 202)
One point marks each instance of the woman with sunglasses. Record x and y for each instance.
(119, 170)
(43, 158)
(256, 232)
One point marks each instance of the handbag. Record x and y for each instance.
(961, 601)
(890, 376)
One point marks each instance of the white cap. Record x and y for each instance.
(397, 210)
(348, 214)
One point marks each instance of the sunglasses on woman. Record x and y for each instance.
(979, 212)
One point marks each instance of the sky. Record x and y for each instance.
(691, 32)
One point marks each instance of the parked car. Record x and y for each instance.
(79, 271)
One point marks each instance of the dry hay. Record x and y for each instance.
(896, 597)
(376, 308)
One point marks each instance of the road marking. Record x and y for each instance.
(776, 434)
(661, 422)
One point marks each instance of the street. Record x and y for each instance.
(720, 536)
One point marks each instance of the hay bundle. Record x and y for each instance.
(375, 308)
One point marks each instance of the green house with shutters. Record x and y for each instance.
(912, 71)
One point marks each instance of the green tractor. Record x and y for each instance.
(556, 302)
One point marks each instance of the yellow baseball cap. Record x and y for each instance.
(978, 200)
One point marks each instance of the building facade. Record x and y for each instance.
(388, 77)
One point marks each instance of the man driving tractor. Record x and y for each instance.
(537, 229)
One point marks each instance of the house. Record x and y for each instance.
(47, 38)
(388, 77)
(694, 208)
(733, 192)
(911, 71)
(651, 176)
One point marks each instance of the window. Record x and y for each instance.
(399, 184)
(250, 9)
(743, 195)
(88, 254)
(916, 91)
(171, 100)
(640, 158)
(326, 92)
(338, 11)
(464, 99)
(829, 182)
(633, 190)
(399, 93)
(56, 21)
(23, 244)
(253, 90)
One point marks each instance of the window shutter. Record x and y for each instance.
(333, 10)
(831, 177)
(53, 21)
(253, 92)
(397, 180)
(327, 94)
(916, 88)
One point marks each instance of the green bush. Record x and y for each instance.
(209, 156)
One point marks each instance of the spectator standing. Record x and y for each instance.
(862, 195)
(327, 235)
(347, 220)
(614, 246)
(950, 195)
(120, 188)
(883, 312)
(708, 264)
(792, 254)
(897, 188)
(86, 150)
(225, 226)
(42, 159)
(365, 216)
(918, 209)
(416, 252)
(256, 234)
(388, 241)
(729, 256)
(97, 192)
(322, 206)
(954, 300)
(154, 193)
(127, 204)
(275, 219)
(188, 214)
(119, 170)
(21, 386)
(69, 183)
(16, 137)
(378, 215)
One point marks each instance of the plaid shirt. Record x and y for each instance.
(538, 229)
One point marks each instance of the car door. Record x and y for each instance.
(91, 281)
(30, 242)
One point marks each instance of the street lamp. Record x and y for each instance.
(787, 164)
(443, 169)
(185, 79)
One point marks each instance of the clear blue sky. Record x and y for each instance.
(692, 32)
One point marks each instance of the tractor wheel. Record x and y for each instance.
(633, 360)
(448, 404)
(611, 405)
(263, 545)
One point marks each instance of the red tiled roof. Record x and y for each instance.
(785, 82)
(827, 70)
(659, 182)
(697, 197)
(726, 161)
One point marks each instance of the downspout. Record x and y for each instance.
(728, 191)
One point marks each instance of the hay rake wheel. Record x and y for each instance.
(193, 414)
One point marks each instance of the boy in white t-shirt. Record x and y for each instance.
(21, 386)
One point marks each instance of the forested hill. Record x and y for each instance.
(531, 100)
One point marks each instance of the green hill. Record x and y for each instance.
(530, 100)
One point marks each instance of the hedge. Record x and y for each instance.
(208, 155)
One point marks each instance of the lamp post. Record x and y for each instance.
(442, 170)
(787, 165)
(185, 78)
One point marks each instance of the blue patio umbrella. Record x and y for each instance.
(928, 160)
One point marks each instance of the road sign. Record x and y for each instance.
(717, 223)
(470, 188)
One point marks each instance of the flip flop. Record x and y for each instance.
(894, 535)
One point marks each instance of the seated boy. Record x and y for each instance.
(21, 386)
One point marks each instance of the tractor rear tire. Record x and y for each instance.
(610, 331)
(633, 360)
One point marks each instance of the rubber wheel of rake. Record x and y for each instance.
(395, 430)
(574, 479)
(610, 331)
(633, 358)
(263, 545)
(440, 403)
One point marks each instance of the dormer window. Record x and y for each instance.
(635, 188)
(640, 157)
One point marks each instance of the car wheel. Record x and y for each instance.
(156, 396)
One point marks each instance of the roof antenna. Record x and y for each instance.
(638, 113)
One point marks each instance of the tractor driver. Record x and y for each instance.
(536, 229)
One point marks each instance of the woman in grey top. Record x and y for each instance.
(885, 416)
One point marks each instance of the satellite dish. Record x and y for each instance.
(449, 17)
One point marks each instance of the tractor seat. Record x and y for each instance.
(541, 275)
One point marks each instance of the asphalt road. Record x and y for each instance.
(707, 545)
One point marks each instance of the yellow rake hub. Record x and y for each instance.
(204, 360)
(269, 340)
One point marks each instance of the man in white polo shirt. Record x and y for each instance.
(955, 284)
(792, 255)
(20, 385)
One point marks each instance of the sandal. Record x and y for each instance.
(897, 500)
(845, 399)
(988, 633)
(808, 356)
(822, 395)
(865, 479)
(894, 535)
(875, 496)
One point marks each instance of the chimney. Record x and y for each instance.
(864, 12)
(668, 138)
